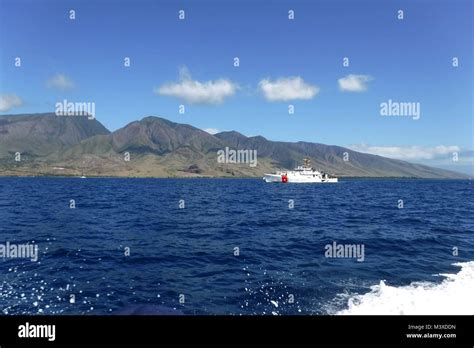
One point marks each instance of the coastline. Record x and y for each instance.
(216, 177)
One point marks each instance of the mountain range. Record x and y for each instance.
(46, 144)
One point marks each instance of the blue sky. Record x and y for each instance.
(282, 62)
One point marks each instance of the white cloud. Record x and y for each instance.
(287, 88)
(211, 130)
(8, 101)
(196, 92)
(408, 152)
(60, 82)
(354, 83)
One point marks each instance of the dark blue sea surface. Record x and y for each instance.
(190, 251)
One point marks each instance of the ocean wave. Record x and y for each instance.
(452, 296)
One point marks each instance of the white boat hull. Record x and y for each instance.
(296, 178)
(304, 174)
(272, 178)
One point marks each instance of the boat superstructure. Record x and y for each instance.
(301, 174)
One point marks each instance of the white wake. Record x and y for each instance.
(454, 295)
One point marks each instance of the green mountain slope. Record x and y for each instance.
(156, 147)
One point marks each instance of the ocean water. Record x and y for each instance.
(409, 264)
